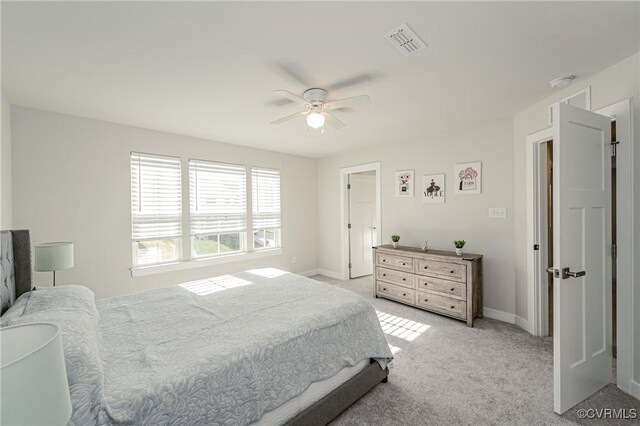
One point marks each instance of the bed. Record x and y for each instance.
(258, 347)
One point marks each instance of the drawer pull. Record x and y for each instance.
(384, 275)
(404, 279)
(452, 289)
(452, 272)
(453, 307)
(403, 263)
(384, 289)
(384, 260)
(426, 300)
(404, 294)
(426, 267)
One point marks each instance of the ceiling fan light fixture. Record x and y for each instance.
(315, 120)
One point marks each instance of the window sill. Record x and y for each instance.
(141, 271)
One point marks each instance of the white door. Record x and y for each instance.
(582, 254)
(362, 217)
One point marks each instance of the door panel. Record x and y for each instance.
(362, 217)
(582, 242)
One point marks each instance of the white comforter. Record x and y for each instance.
(219, 351)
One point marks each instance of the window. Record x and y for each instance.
(265, 184)
(156, 208)
(218, 208)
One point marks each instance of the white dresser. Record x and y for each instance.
(433, 280)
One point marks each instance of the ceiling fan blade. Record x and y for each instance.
(333, 120)
(293, 97)
(294, 72)
(352, 81)
(348, 102)
(289, 117)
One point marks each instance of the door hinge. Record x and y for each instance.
(348, 186)
(614, 250)
(536, 246)
(349, 266)
(614, 146)
(349, 226)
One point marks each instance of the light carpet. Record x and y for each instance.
(446, 373)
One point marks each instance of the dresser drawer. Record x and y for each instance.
(396, 292)
(451, 271)
(445, 287)
(394, 261)
(446, 305)
(403, 279)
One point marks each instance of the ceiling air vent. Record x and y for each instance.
(405, 40)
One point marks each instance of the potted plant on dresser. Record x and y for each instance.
(394, 240)
(459, 244)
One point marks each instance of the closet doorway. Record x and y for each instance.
(360, 224)
(541, 168)
(546, 232)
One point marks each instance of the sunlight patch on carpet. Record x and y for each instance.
(401, 327)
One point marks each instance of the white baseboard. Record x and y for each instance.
(499, 315)
(309, 273)
(634, 389)
(523, 324)
(330, 274)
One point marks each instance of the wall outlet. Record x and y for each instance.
(294, 260)
(497, 212)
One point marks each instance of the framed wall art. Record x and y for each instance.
(468, 178)
(433, 188)
(404, 183)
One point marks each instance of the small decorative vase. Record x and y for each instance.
(395, 245)
(424, 246)
(459, 251)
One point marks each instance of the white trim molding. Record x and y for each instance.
(499, 315)
(523, 324)
(535, 295)
(344, 214)
(331, 274)
(634, 389)
(309, 273)
(199, 263)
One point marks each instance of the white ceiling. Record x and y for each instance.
(209, 69)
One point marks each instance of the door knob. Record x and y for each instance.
(555, 272)
(566, 273)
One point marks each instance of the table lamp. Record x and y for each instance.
(54, 257)
(33, 378)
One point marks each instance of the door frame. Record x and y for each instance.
(536, 286)
(344, 211)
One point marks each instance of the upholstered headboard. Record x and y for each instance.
(15, 260)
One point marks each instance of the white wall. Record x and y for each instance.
(619, 82)
(5, 165)
(461, 217)
(71, 183)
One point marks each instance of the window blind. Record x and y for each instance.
(156, 196)
(218, 197)
(265, 184)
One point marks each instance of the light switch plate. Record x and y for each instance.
(497, 212)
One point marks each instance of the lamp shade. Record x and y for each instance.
(33, 378)
(53, 256)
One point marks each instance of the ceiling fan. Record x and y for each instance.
(318, 110)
